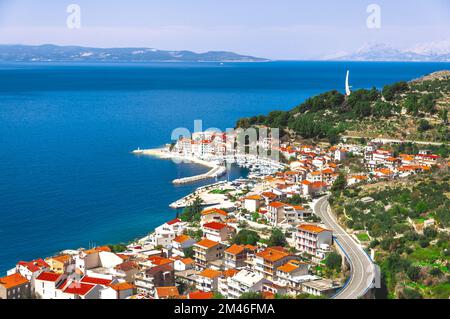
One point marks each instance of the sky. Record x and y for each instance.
(281, 29)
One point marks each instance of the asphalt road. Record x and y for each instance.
(388, 140)
(361, 266)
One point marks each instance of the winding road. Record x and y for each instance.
(363, 271)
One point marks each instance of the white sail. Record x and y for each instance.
(347, 86)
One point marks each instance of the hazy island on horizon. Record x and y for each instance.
(55, 53)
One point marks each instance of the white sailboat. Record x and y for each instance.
(347, 86)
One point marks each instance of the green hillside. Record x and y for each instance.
(417, 110)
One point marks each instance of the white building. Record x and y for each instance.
(313, 240)
(285, 214)
(96, 258)
(217, 232)
(208, 280)
(292, 275)
(46, 285)
(183, 264)
(321, 287)
(244, 281)
(166, 233)
(180, 243)
(340, 154)
(121, 290)
(253, 203)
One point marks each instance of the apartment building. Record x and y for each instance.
(208, 280)
(245, 281)
(267, 262)
(15, 286)
(206, 251)
(313, 240)
(235, 256)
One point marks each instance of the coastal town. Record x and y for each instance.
(254, 237)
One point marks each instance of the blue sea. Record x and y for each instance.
(67, 178)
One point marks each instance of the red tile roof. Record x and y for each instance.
(48, 276)
(167, 292)
(77, 288)
(201, 295)
(181, 239)
(210, 273)
(122, 286)
(235, 249)
(273, 254)
(312, 228)
(276, 204)
(206, 243)
(159, 261)
(34, 265)
(174, 221)
(215, 226)
(98, 281)
(214, 211)
(12, 281)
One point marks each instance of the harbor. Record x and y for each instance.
(257, 166)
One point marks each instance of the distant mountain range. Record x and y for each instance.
(53, 53)
(426, 52)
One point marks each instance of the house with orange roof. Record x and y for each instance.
(59, 264)
(407, 159)
(292, 274)
(380, 156)
(235, 256)
(392, 162)
(167, 232)
(126, 270)
(180, 243)
(275, 212)
(315, 176)
(269, 197)
(384, 173)
(167, 293)
(223, 280)
(266, 262)
(118, 290)
(206, 251)
(281, 214)
(208, 280)
(253, 203)
(218, 232)
(15, 286)
(313, 240)
(159, 261)
(311, 189)
(200, 295)
(159, 276)
(183, 264)
(213, 215)
(356, 179)
(101, 257)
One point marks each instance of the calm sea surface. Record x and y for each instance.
(67, 178)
